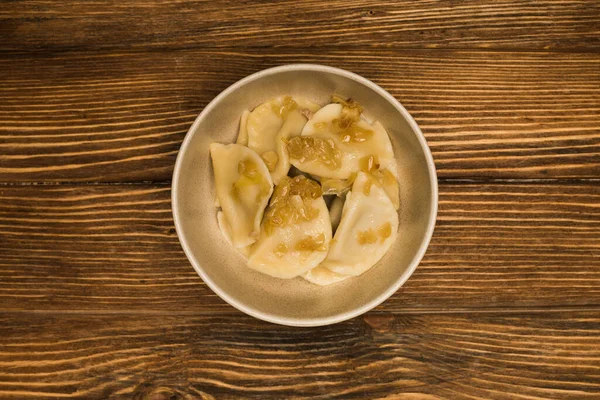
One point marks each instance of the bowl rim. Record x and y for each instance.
(307, 322)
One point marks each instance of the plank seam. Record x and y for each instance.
(53, 51)
(399, 311)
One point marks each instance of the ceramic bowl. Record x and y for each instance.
(297, 302)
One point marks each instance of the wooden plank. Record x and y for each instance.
(40, 25)
(470, 356)
(111, 117)
(115, 248)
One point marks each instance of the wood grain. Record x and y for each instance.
(97, 300)
(40, 25)
(520, 356)
(115, 248)
(111, 117)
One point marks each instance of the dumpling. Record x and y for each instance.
(336, 139)
(243, 186)
(389, 182)
(243, 132)
(322, 276)
(270, 125)
(295, 231)
(226, 232)
(367, 230)
(387, 178)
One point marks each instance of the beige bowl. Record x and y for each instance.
(296, 302)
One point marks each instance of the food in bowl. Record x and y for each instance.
(308, 191)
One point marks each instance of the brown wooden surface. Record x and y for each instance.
(97, 299)
(115, 248)
(35, 25)
(111, 117)
(460, 356)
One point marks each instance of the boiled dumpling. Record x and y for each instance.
(226, 232)
(243, 186)
(387, 178)
(243, 132)
(368, 228)
(295, 232)
(336, 139)
(322, 276)
(270, 125)
(389, 182)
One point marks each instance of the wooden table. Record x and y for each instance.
(97, 299)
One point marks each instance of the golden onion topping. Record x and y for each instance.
(337, 186)
(310, 243)
(249, 176)
(248, 168)
(366, 237)
(291, 203)
(308, 148)
(346, 127)
(270, 158)
(370, 236)
(281, 249)
(287, 106)
(349, 104)
(369, 163)
(320, 126)
(385, 231)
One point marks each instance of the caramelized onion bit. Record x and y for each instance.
(369, 163)
(347, 103)
(270, 158)
(281, 249)
(249, 175)
(308, 148)
(337, 186)
(287, 106)
(385, 231)
(307, 113)
(320, 126)
(310, 243)
(249, 169)
(291, 203)
(370, 236)
(346, 127)
(388, 178)
(366, 237)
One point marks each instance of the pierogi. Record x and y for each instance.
(308, 191)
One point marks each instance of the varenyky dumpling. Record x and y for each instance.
(386, 178)
(295, 231)
(243, 132)
(351, 157)
(270, 125)
(226, 231)
(322, 276)
(336, 139)
(367, 230)
(243, 186)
